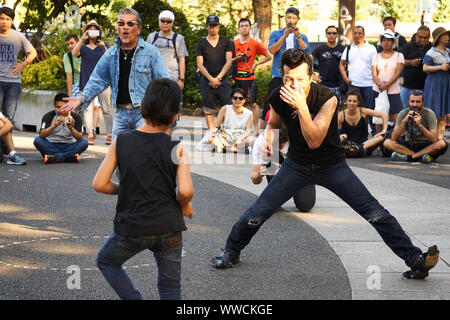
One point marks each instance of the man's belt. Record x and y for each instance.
(127, 106)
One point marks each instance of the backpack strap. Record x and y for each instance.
(69, 54)
(156, 33)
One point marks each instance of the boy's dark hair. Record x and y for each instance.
(239, 90)
(394, 21)
(329, 27)
(295, 57)
(8, 11)
(161, 101)
(293, 10)
(59, 97)
(71, 36)
(244, 20)
(356, 92)
(424, 28)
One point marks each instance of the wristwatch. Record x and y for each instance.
(181, 80)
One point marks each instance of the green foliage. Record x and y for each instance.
(403, 10)
(443, 11)
(47, 74)
(263, 77)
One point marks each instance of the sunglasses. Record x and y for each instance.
(166, 21)
(330, 33)
(238, 98)
(129, 23)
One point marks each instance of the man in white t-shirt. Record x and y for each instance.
(360, 64)
(5, 134)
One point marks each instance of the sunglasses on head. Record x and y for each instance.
(330, 33)
(166, 21)
(129, 23)
(238, 98)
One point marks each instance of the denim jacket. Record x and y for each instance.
(274, 37)
(147, 64)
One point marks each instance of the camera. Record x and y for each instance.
(66, 120)
(290, 26)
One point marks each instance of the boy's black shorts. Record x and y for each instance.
(210, 95)
(250, 87)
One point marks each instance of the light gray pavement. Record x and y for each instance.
(422, 209)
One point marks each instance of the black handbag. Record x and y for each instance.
(343, 86)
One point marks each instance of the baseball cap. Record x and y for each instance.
(167, 14)
(212, 20)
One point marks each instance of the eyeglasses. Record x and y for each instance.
(238, 98)
(129, 23)
(330, 33)
(166, 21)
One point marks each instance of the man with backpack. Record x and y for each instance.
(172, 47)
(72, 66)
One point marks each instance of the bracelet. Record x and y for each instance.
(181, 80)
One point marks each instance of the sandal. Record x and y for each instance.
(91, 141)
(108, 139)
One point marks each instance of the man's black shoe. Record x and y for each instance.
(423, 264)
(225, 260)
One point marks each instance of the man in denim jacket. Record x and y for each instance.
(139, 63)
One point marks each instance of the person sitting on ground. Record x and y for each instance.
(233, 126)
(415, 135)
(60, 138)
(304, 198)
(353, 127)
(5, 134)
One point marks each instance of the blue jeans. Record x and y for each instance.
(127, 120)
(61, 150)
(9, 95)
(404, 95)
(166, 249)
(340, 180)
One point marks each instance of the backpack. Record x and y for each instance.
(156, 33)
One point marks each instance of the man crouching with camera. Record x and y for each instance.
(60, 138)
(415, 135)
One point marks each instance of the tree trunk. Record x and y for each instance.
(263, 16)
(347, 18)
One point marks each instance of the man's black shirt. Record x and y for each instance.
(123, 96)
(414, 77)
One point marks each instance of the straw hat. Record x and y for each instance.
(389, 35)
(92, 23)
(437, 33)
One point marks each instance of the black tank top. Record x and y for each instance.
(147, 202)
(357, 133)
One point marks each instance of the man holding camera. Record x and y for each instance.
(415, 135)
(60, 138)
(414, 52)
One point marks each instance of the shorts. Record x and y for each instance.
(211, 95)
(250, 87)
(419, 145)
(339, 95)
(395, 102)
(273, 84)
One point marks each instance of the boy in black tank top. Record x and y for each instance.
(149, 212)
(315, 156)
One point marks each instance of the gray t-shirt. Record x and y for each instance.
(167, 51)
(428, 121)
(61, 134)
(10, 46)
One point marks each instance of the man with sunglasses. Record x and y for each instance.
(128, 67)
(329, 55)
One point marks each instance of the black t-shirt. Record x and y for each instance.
(125, 60)
(214, 58)
(329, 59)
(330, 151)
(414, 77)
(147, 202)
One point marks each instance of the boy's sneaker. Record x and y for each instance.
(225, 260)
(16, 160)
(74, 159)
(426, 158)
(49, 158)
(395, 156)
(423, 264)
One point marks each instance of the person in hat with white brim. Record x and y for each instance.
(437, 84)
(387, 67)
(91, 48)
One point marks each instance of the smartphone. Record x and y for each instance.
(94, 33)
(289, 25)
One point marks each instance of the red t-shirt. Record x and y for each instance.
(251, 49)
